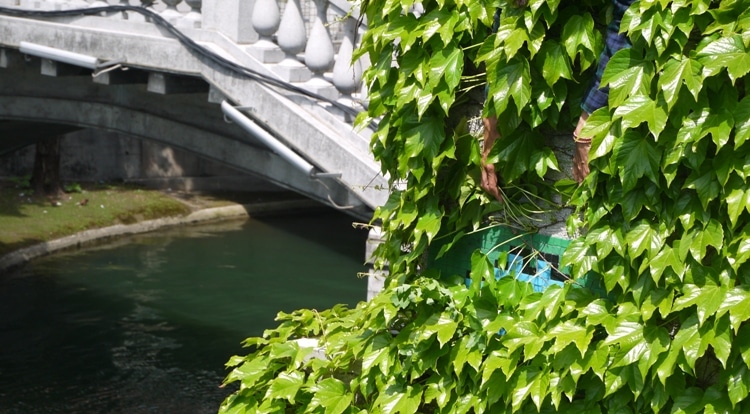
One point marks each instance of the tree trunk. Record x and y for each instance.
(45, 179)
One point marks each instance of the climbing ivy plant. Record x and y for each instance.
(664, 221)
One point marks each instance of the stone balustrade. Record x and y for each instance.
(306, 42)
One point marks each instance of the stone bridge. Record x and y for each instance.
(266, 87)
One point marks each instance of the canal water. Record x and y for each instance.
(145, 324)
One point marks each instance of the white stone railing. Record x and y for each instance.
(306, 42)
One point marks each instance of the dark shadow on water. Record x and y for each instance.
(320, 227)
(66, 349)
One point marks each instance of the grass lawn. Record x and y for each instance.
(27, 219)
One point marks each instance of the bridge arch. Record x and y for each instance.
(187, 121)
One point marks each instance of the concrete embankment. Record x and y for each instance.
(237, 211)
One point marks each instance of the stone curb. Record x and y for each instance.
(216, 213)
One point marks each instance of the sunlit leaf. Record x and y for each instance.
(643, 237)
(555, 63)
(285, 386)
(440, 324)
(678, 72)
(742, 122)
(447, 64)
(640, 108)
(569, 332)
(627, 75)
(512, 80)
(581, 40)
(738, 383)
(331, 394)
(726, 52)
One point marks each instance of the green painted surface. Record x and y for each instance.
(497, 242)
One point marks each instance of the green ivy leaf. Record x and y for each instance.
(555, 63)
(666, 257)
(740, 247)
(520, 334)
(737, 302)
(742, 343)
(688, 401)
(636, 157)
(600, 127)
(627, 75)
(606, 239)
(737, 384)
(376, 353)
(579, 255)
(429, 222)
(625, 333)
(677, 72)
(644, 237)
(513, 37)
(709, 301)
(332, 395)
(569, 332)
(597, 313)
(517, 153)
(720, 339)
(510, 81)
(442, 325)
(525, 380)
(448, 65)
(640, 108)
(436, 21)
(581, 40)
(719, 125)
(650, 23)
(685, 342)
(482, 270)
(742, 121)
(698, 239)
(706, 186)
(285, 386)
(396, 400)
(726, 52)
(737, 201)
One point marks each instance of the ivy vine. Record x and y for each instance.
(664, 218)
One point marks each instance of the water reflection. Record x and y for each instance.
(145, 324)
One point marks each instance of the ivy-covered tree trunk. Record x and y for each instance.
(45, 178)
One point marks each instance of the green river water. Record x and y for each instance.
(145, 324)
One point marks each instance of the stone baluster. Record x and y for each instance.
(266, 20)
(99, 3)
(193, 18)
(171, 14)
(347, 75)
(231, 18)
(124, 15)
(29, 4)
(292, 40)
(73, 4)
(60, 4)
(319, 53)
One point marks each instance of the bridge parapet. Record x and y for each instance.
(295, 38)
(281, 66)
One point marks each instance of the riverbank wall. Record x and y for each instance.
(230, 212)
